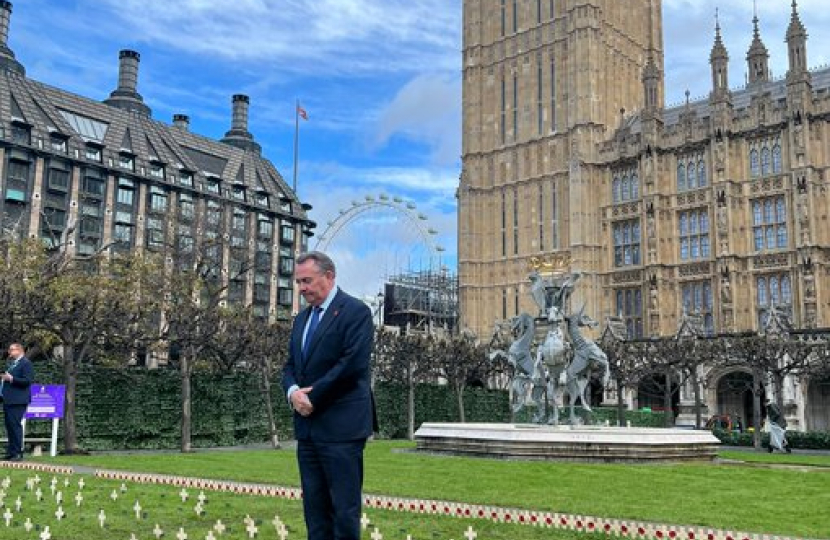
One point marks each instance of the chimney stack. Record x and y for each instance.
(7, 60)
(181, 121)
(238, 135)
(126, 96)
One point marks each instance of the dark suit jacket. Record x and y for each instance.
(17, 392)
(336, 366)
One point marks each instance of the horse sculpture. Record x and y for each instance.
(587, 357)
(526, 377)
(553, 353)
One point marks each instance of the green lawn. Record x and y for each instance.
(163, 505)
(749, 498)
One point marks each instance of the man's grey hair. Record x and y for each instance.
(321, 260)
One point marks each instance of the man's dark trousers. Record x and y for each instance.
(14, 429)
(331, 474)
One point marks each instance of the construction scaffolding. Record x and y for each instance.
(424, 301)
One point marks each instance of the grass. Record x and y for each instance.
(754, 499)
(163, 505)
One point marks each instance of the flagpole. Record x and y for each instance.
(296, 141)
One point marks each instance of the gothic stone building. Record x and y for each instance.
(717, 207)
(130, 182)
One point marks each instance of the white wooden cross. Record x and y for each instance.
(470, 534)
(79, 498)
(102, 518)
(28, 525)
(198, 509)
(59, 513)
(114, 495)
(53, 485)
(123, 487)
(37, 479)
(133, 536)
(18, 503)
(183, 494)
(38, 494)
(81, 483)
(202, 497)
(7, 515)
(209, 535)
(282, 531)
(376, 535)
(252, 529)
(7, 481)
(364, 522)
(219, 527)
(181, 535)
(66, 482)
(247, 520)
(157, 532)
(137, 509)
(45, 535)
(276, 522)
(59, 497)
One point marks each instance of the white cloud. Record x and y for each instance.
(331, 36)
(427, 109)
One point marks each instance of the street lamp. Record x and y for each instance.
(379, 310)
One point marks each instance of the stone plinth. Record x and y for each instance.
(567, 443)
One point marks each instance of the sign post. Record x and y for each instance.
(47, 402)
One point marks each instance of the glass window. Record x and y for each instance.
(776, 159)
(630, 309)
(158, 199)
(186, 207)
(765, 161)
(239, 193)
(212, 186)
(681, 177)
(58, 143)
(21, 134)
(616, 190)
(186, 179)
(626, 237)
(266, 227)
(126, 161)
(693, 232)
(93, 185)
(58, 180)
(697, 299)
(769, 224)
(157, 170)
(93, 153)
(701, 173)
(754, 163)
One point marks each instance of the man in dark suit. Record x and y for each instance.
(327, 381)
(14, 389)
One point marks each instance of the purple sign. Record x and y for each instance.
(47, 401)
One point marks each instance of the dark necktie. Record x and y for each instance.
(312, 326)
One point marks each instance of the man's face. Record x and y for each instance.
(314, 285)
(15, 351)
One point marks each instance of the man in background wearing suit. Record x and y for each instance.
(327, 381)
(14, 389)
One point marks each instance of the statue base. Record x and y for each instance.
(598, 444)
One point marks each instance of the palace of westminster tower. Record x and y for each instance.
(717, 207)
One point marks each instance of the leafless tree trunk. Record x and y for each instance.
(269, 406)
(187, 418)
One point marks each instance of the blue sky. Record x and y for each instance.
(380, 80)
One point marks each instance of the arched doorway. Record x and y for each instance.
(734, 396)
(817, 413)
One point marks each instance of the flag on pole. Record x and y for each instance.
(302, 112)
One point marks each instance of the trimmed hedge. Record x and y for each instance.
(806, 440)
(136, 408)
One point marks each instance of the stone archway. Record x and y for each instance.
(817, 408)
(734, 396)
